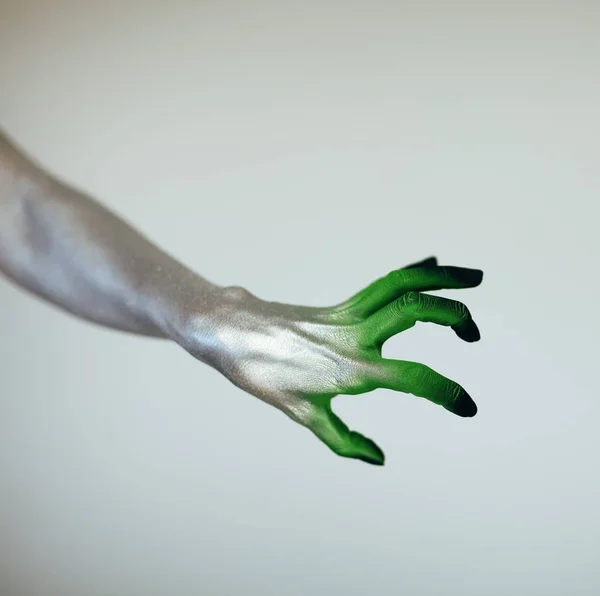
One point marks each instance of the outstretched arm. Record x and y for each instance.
(67, 248)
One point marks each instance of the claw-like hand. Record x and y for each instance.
(298, 358)
(67, 248)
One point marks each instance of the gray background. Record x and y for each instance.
(302, 150)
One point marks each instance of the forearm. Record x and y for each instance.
(67, 248)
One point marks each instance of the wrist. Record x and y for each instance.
(202, 323)
(176, 300)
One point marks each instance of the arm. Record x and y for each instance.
(67, 248)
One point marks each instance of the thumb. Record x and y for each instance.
(343, 441)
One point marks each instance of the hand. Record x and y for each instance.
(298, 358)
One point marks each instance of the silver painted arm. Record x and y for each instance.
(67, 248)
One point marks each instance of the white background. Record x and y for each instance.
(302, 150)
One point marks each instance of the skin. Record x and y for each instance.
(65, 247)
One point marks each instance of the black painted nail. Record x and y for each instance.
(464, 406)
(472, 277)
(373, 454)
(467, 330)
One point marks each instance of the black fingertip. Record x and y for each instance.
(372, 454)
(473, 276)
(464, 406)
(467, 331)
(373, 461)
(468, 278)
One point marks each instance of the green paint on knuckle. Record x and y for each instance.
(416, 376)
(411, 300)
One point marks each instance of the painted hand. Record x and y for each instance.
(298, 358)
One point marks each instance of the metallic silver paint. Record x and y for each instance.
(65, 247)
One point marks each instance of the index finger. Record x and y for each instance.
(416, 279)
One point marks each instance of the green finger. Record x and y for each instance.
(343, 441)
(416, 279)
(404, 312)
(422, 381)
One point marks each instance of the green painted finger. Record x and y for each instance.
(416, 279)
(422, 381)
(343, 441)
(404, 312)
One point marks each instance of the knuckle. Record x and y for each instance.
(350, 377)
(343, 449)
(462, 311)
(236, 293)
(395, 277)
(417, 375)
(410, 300)
(445, 273)
(451, 395)
(454, 392)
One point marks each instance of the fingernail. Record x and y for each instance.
(372, 454)
(467, 330)
(369, 460)
(471, 276)
(464, 406)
